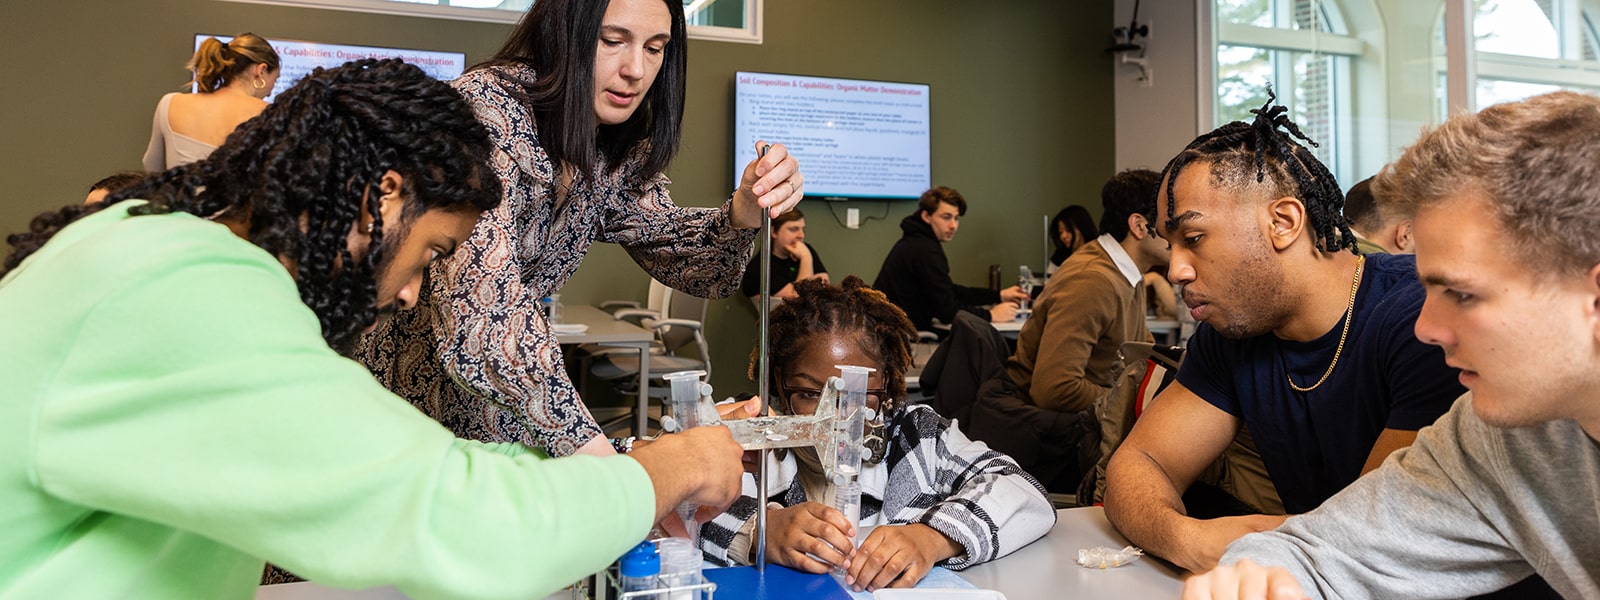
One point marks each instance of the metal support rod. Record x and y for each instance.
(763, 376)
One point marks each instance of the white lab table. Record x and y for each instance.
(1047, 568)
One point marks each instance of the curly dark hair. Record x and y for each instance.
(850, 309)
(1265, 147)
(297, 174)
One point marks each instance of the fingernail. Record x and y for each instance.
(759, 190)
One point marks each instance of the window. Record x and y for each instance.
(1529, 47)
(719, 20)
(1299, 47)
(1364, 77)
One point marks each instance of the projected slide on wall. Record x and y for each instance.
(299, 58)
(854, 139)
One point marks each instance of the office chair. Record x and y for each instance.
(682, 323)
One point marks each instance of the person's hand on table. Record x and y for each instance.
(772, 182)
(1003, 312)
(1207, 539)
(1013, 294)
(897, 556)
(1243, 581)
(808, 528)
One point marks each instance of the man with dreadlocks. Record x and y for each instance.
(936, 497)
(172, 413)
(1506, 202)
(1301, 340)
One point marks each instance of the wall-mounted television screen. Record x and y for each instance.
(854, 139)
(297, 58)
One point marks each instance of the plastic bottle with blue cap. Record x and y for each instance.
(640, 568)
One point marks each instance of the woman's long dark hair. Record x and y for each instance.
(1076, 218)
(557, 39)
(297, 174)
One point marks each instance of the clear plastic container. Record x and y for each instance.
(555, 309)
(680, 567)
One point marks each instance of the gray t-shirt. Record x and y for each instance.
(1468, 509)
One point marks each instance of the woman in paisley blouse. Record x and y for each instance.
(584, 104)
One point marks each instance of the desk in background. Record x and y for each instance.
(606, 329)
(1047, 569)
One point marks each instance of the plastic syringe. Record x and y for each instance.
(689, 395)
(850, 426)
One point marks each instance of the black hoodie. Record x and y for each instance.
(916, 277)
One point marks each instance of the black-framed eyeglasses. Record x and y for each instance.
(792, 394)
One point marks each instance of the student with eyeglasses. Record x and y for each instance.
(935, 497)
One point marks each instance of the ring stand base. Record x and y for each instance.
(777, 583)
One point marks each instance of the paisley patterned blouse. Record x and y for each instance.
(476, 353)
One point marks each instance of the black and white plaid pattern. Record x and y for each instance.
(975, 496)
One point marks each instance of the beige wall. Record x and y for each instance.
(1021, 92)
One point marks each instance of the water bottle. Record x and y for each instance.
(555, 309)
(1025, 281)
(639, 568)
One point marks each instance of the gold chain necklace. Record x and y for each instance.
(1349, 315)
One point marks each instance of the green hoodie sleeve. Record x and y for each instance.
(201, 396)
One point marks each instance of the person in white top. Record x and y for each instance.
(231, 82)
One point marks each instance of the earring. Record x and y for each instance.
(372, 228)
(260, 85)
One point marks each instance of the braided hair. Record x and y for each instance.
(851, 309)
(1266, 146)
(296, 177)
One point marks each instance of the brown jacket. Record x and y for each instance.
(1067, 352)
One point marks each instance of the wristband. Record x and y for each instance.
(623, 445)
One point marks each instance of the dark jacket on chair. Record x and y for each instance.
(968, 381)
(916, 277)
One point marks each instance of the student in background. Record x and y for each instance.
(1069, 230)
(936, 497)
(1068, 352)
(232, 80)
(584, 105)
(793, 260)
(173, 411)
(916, 275)
(1379, 227)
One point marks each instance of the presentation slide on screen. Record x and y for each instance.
(299, 58)
(854, 139)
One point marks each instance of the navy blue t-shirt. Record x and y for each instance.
(1315, 443)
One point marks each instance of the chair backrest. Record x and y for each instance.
(660, 298)
(684, 306)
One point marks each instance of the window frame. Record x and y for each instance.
(1288, 41)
